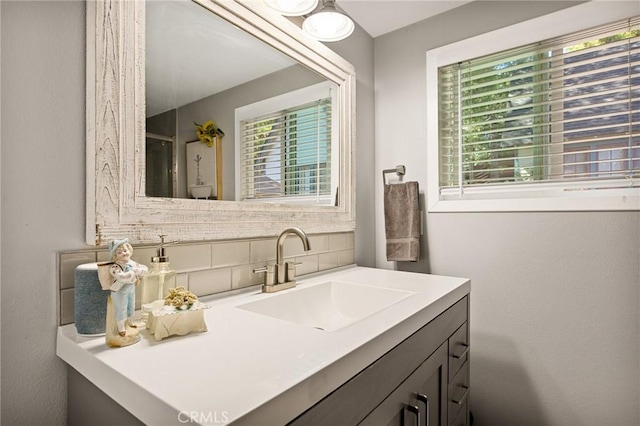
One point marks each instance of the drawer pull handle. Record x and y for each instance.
(423, 398)
(464, 353)
(415, 410)
(462, 397)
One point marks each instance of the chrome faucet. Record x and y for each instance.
(281, 268)
(282, 275)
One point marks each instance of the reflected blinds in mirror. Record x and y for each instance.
(287, 155)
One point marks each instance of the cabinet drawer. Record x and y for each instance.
(458, 391)
(458, 349)
(462, 417)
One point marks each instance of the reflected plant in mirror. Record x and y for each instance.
(208, 132)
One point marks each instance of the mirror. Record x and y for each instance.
(120, 148)
(200, 67)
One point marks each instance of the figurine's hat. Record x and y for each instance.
(113, 246)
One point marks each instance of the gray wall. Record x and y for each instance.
(43, 160)
(555, 329)
(43, 190)
(358, 49)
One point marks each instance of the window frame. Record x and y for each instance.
(283, 102)
(561, 196)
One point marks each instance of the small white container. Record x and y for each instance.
(167, 321)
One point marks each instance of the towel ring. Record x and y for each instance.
(399, 170)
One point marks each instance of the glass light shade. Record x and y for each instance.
(292, 7)
(328, 25)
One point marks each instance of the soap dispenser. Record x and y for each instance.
(157, 282)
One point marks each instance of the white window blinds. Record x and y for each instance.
(565, 110)
(287, 154)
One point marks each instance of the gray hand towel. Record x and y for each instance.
(402, 221)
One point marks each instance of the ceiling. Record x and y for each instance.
(379, 17)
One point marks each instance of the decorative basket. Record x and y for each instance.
(104, 275)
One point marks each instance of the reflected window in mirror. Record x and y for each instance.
(286, 147)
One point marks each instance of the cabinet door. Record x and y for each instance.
(420, 400)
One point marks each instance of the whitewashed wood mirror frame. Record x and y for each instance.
(116, 203)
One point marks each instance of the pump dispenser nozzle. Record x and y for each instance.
(160, 253)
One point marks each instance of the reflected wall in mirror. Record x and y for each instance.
(200, 67)
(126, 134)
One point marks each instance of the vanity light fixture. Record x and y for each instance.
(327, 24)
(292, 7)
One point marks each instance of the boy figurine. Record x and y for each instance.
(125, 273)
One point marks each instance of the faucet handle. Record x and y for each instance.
(270, 276)
(291, 270)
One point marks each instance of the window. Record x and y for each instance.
(546, 123)
(286, 148)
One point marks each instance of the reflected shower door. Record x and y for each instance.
(160, 175)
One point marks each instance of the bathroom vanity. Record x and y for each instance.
(424, 381)
(398, 356)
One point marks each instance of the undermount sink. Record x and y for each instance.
(328, 306)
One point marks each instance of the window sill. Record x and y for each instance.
(625, 199)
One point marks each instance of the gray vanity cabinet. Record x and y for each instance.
(424, 380)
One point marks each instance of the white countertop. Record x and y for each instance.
(253, 369)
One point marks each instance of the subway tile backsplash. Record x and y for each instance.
(217, 266)
(210, 281)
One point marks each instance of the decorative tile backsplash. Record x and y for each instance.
(217, 266)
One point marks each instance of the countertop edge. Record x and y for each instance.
(127, 393)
